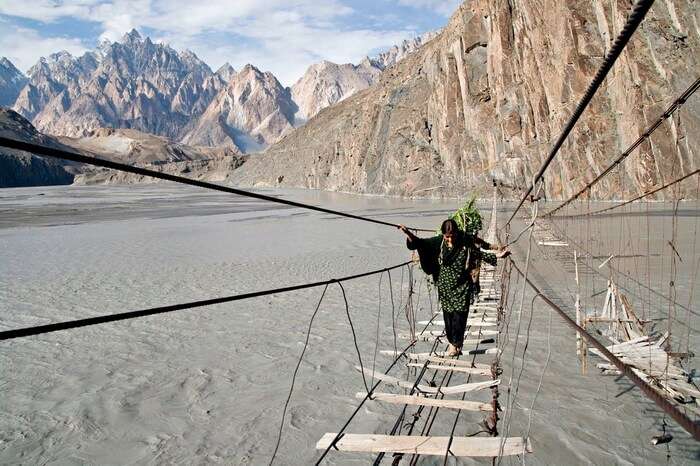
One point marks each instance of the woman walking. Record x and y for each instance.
(450, 258)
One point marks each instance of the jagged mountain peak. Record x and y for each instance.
(226, 72)
(131, 37)
(60, 56)
(252, 111)
(396, 53)
(250, 70)
(189, 57)
(154, 88)
(6, 63)
(326, 83)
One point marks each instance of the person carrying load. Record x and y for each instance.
(453, 259)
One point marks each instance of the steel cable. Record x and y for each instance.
(94, 161)
(39, 329)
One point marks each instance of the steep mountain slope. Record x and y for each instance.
(253, 110)
(153, 152)
(19, 168)
(487, 97)
(398, 52)
(12, 81)
(326, 83)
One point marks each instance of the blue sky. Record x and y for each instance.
(282, 36)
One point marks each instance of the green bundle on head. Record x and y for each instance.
(468, 217)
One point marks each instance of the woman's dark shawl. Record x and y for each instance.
(429, 251)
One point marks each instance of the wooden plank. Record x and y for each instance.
(483, 333)
(423, 401)
(441, 353)
(452, 390)
(450, 361)
(487, 311)
(442, 323)
(644, 340)
(431, 332)
(424, 337)
(682, 386)
(553, 243)
(420, 445)
(673, 371)
(453, 368)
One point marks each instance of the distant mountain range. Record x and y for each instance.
(19, 168)
(141, 85)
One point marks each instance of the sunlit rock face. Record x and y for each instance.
(250, 112)
(487, 98)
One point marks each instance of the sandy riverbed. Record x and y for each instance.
(208, 385)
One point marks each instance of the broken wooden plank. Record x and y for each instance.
(423, 445)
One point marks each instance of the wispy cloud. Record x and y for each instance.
(282, 36)
(24, 46)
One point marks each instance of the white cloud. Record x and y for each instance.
(48, 10)
(24, 46)
(444, 7)
(282, 36)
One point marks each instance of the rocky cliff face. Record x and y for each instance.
(488, 96)
(12, 81)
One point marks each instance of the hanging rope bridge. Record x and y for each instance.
(489, 328)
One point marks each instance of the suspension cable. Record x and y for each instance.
(638, 13)
(94, 161)
(645, 135)
(647, 194)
